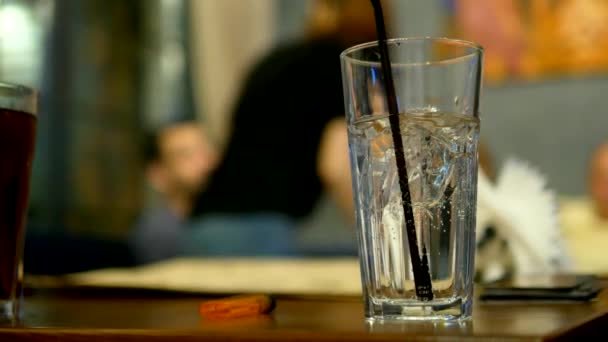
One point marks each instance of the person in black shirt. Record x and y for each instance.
(289, 140)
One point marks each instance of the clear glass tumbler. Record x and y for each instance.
(437, 86)
(18, 109)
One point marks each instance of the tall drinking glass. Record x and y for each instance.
(437, 86)
(18, 106)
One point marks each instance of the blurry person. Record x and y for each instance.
(289, 138)
(585, 220)
(598, 182)
(499, 27)
(179, 159)
(486, 161)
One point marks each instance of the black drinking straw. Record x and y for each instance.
(422, 278)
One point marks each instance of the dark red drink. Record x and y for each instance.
(17, 137)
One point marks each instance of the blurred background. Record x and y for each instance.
(110, 72)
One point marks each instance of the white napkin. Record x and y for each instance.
(524, 214)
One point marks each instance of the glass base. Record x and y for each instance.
(452, 309)
(8, 312)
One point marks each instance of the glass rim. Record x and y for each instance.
(23, 93)
(477, 50)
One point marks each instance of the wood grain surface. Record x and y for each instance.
(155, 318)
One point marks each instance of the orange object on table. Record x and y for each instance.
(237, 307)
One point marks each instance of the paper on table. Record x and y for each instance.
(338, 276)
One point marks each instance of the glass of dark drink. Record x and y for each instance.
(18, 109)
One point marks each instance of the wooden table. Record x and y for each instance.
(153, 318)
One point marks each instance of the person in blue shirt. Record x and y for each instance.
(179, 159)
